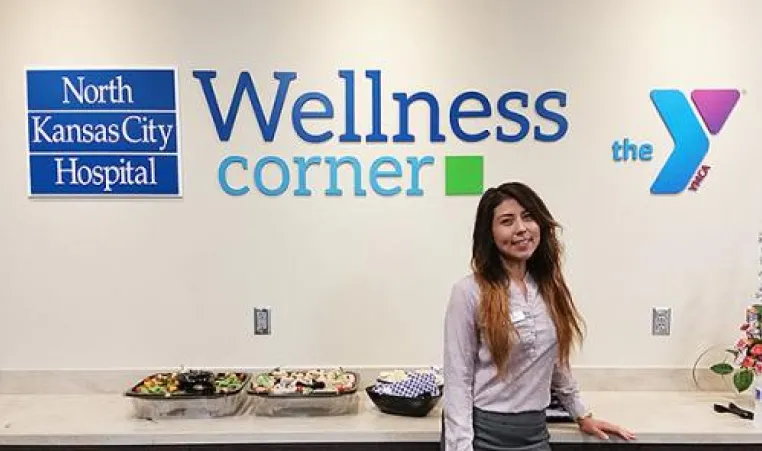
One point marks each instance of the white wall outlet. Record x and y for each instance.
(262, 321)
(661, 321)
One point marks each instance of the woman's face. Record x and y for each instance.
(515, 231)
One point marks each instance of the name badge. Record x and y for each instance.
(517, 316)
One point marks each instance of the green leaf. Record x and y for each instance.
(733, 351)
(758, 308)
(265, 380)
(721, 368)
(743, 379)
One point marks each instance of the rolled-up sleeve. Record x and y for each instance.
(460, 348)
(567, 390)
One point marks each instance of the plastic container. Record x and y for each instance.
(189, 405)
(305, 405)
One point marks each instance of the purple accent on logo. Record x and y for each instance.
(714, 106)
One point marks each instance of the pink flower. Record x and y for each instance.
(748, 362)
(737, 361)
(756, 350)
(744, 326)
(758, 367)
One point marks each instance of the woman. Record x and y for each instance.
(509, 330)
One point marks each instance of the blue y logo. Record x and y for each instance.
(691, 142)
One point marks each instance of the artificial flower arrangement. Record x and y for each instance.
(747, 353)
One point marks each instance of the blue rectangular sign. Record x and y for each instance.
(104, 174)
(88, 90)
(103, 132)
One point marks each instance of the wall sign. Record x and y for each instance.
(685, 167)
(512, 117)
(104, 133)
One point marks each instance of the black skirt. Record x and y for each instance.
(524, 431)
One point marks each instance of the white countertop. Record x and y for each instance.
(104, 419)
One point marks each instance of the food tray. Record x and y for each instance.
(188, 405)
(300, 395)
(316, 403)
(304, 406)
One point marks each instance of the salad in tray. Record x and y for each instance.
(189, 382)
(279, 382)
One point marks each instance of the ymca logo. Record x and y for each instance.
(684, 167)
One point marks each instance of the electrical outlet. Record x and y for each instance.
(262, 321)
(661, 319)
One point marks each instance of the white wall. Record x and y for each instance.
(364, 281)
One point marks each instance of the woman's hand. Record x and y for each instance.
(602, 429)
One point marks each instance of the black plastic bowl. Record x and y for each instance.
(400, 405)
(196, 382)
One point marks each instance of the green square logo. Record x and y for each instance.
(464, 175)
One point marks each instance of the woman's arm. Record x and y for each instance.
(460, 348)
(565, 387)
(568, 393)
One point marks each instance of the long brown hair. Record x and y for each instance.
(544, 266)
